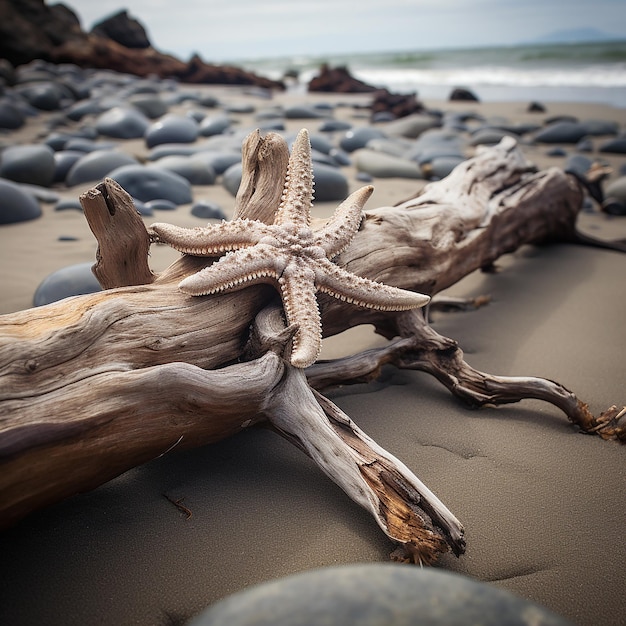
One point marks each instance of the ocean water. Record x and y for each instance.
(582, 72)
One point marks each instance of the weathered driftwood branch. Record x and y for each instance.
(94, 385)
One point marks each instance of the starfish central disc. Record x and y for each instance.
(289, 254)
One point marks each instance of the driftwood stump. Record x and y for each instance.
(94, 385)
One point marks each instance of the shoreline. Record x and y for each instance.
(539, 502)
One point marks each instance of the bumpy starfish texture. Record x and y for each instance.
(290, 255)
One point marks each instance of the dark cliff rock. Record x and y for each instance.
(123, 29)
(31, 29)
(338, 80)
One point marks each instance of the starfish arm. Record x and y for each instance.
(235, 270)
(211, 240)
(297, 286)
(297, 198)
(335, 236)
(347, 287)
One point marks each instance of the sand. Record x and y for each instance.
(543, 506)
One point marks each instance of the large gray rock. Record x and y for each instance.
(94, 166)
(74, 280)
(381, 165)
(123, 123)
(376, 595)
(561, 132)
(30, 163)
(16, 205)
(172, 129)
(152, 183)
(194, 170)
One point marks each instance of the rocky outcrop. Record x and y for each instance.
(123, 29)
(30, 29)
(338, 80)
(395, 104)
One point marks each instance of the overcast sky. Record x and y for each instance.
(237, 29)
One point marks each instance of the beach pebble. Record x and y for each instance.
(561, 132)
(585, 145)
(68, 204)
(172, 129)
(381, 165)
(159, 204)
(88, 145)
(489, 136)
(45, 96)
(617, 189)
(123, 123)
(77, 111)
(28, 163)
(411, 126)
(231, 179)
(151, 183)
(303, 112)
(358, 137)
(74, 280)
(194, 170)
(374, 594)
(16, 205)
(11, 117)
(600, 127)
(218, 161)
(440, 167)
(214, 125)
(536, 107)
(330, 183)
(63, 161)
(94, 166)
(614, 146)
(152, 106)
(331, 126)
(208, 210)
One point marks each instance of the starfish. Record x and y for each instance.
(290, 255)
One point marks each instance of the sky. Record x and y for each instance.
(223, 30)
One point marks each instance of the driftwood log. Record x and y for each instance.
(94, 385)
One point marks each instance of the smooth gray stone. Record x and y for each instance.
(11, 117)
(358, 137)
(88, 145)
(74, 280)
(231, 179)
(28, 163)
(302, 112)
(219, 162)
(382, 165)
(614, 146)
(242, 108)
(63, 161)
(208, 210)
(150, 105)
(578, 164)
(330, 183)
(561, 132)
(194, 170)
(16, 205)
(617, 189)
(429, 153)
(411, 126)
(65, 205)
(160, 205)
(123, 123)
(214, 125)
(392, 147)
(151, 183)
(331, 126)
(45, 96)
(490, 136)
(42, 194)
(376, 595)
(94, 166)
(79, 110)
(171, 129)
(441, 166)
(340, 157)
(585, 145)
(600, 127)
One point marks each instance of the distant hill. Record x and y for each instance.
(576, 35)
